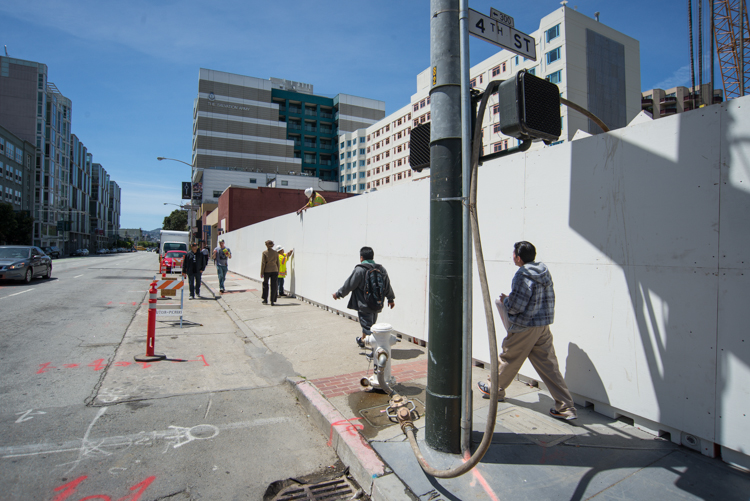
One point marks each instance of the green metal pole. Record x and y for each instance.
(444, 373)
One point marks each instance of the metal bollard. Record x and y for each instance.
(150, 356)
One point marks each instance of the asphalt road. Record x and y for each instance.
(59, 442)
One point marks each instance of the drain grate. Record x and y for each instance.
(337, 489)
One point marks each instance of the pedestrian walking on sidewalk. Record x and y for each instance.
(195, 263)
(222, 255)
(284, 259)
(530, 311)
(269, 271)
(370, 287)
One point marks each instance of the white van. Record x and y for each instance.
(173, 240)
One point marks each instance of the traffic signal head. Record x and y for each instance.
(529, 108)
(419, 147)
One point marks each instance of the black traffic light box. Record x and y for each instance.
(419, 147)
(529, 108)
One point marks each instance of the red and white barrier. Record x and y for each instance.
(150, 356)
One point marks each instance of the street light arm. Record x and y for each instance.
(175, 160)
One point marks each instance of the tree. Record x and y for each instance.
(15, 227)
(7, 223)
(176, 221)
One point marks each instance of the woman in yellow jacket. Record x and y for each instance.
(283, 260)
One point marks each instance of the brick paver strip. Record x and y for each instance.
(345, 384)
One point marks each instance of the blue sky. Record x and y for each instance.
(131, 68)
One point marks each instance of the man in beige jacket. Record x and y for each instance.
(269, 269)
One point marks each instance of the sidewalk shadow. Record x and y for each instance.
(397, 354)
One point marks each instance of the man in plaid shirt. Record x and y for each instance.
(531, 310)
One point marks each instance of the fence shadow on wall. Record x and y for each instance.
(657, 217)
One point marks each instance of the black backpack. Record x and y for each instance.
(376, 286)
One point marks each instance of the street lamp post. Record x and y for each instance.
(191, 221)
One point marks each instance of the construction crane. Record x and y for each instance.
(732, 45)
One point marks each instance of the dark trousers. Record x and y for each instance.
(366, 320)
(194, 282)
(281, 286)
(273, 277)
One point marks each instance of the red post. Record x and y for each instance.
(150, 356)
(151, 333)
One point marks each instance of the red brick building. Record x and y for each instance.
(240, 207)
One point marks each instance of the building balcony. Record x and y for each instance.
(668, 99)
(326, 130)
(689, 97)
(309, 144)
(646, 102)
(295, 109)
(326, 162)
(294, 126)
(668, 111)
(311, 113)
(311, 128)
(323, 114)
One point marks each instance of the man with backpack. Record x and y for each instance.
(370, 287)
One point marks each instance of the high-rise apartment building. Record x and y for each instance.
(113, 211)
(353, 161)
(663, 103)
(275, 126)
(35, 110)
(16, 170)
(98, 201)
(78, 196)
(593, 65)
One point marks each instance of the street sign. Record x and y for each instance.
(502, 35)
(501, 18)
(176, 313)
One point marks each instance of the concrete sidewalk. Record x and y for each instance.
(532, 456)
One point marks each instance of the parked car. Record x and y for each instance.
(174, 259)
(24, 262)
(80, 252)
(102, 251)
(85, 252)
(53, 252)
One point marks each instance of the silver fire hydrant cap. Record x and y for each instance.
(381, 328)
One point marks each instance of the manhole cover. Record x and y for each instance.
(539, 429)
(377, 417)
(336, 489)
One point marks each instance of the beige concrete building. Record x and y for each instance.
(593, 65)
(663, 103)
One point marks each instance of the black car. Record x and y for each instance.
(24, 262)
(53, 252)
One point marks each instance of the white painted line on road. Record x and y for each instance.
(78, 276)
(17, 293)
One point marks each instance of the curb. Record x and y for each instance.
(365, 465)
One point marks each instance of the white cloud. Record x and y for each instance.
(681, 77)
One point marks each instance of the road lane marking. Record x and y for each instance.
(17, 293)
(78, 276)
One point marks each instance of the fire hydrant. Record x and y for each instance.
(380, 341)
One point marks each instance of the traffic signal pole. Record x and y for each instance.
(467, 115)
(444, 370)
